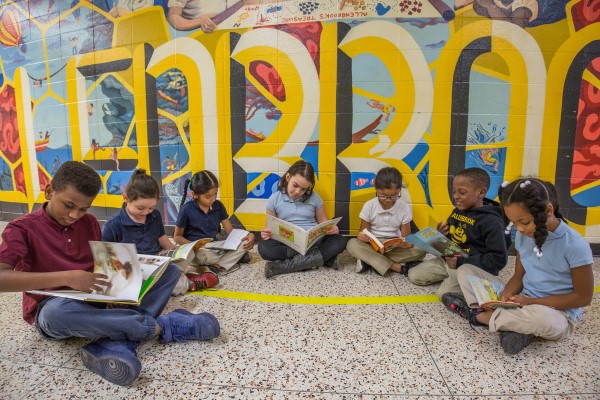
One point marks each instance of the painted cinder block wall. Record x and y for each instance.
(420, 86)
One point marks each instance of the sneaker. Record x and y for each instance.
(181, 325)
(333, 263)
(514, 342)
(246, 258)
(361, 266)
(204, 280)
(456, 303)
(408, 265)
(116, 363)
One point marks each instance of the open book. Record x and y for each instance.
(386, 245)
(233, 241)
(432, 241)
(294, 236)
(486, 293)
(130, 274)
(185, 252)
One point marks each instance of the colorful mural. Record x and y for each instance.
(245, 88)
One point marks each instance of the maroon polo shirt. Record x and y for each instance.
(37, 243)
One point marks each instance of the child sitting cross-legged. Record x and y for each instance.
(385, 216)
(139, 222)
(553, 278)
(49, 249)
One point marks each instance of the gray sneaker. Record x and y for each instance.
(361, 266)
(514, 342)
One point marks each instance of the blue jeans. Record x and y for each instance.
(59, 318)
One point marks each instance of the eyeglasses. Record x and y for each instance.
(383, 197)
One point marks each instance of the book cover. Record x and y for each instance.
(487, 293)
(294, 236)
(432, 241)
(388, 244)
(130, 274)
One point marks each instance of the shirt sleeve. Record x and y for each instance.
(317, 201)
(366, 213)
(406, 213)
(177, 3)
(109, 233)
(182, 217)
(578, 253)
(14, 246)
(271, 205)
(223, 212)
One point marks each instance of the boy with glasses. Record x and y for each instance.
(386, 216)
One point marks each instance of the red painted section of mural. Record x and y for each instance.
(310, 35)
(9, 127)
(586, 157)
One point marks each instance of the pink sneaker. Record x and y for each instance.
(204, 280)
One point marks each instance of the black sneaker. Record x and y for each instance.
(332, 263)
(361, 266)
(408, 265)
(514, 342)
(246, 258)
(456, 303)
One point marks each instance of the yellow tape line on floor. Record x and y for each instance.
(277, 298)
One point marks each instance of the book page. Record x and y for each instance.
(317, 232)
(119, 262)
(432, 241)
(233, 241)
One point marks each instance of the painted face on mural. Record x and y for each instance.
(297, 185)
(140, 208)
(67, 206)
(466, 194)
(206, 200)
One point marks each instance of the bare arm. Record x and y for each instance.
(321, 216)
(18, 281)
(165, 243)
(178, 235)
(581, 296)
(514, 285)
(265, 234)
(363, 225)
(180, 23)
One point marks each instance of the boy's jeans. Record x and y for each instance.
(59, 318)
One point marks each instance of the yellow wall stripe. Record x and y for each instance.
(277, 298)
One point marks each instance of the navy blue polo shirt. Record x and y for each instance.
(121, 228)
(197, 224)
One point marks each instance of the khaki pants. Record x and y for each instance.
(434, 271)
(535, 319)
(382, 262)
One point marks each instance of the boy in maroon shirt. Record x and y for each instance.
(48, 249)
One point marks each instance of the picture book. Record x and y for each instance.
(385, 246)
(233, 241)
(487, 293)
(432, 241)
(131, 275)
(185, 252)
(294, 236)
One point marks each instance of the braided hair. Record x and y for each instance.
(200, 183)
(533, 194)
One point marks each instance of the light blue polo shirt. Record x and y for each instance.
(551, 274)
(296, 212)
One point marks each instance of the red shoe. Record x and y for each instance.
(205, 280)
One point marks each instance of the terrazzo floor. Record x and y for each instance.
(320, 334)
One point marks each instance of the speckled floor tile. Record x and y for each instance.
(305, 347)
(18, 378)
(21, 341)
(464, 355)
